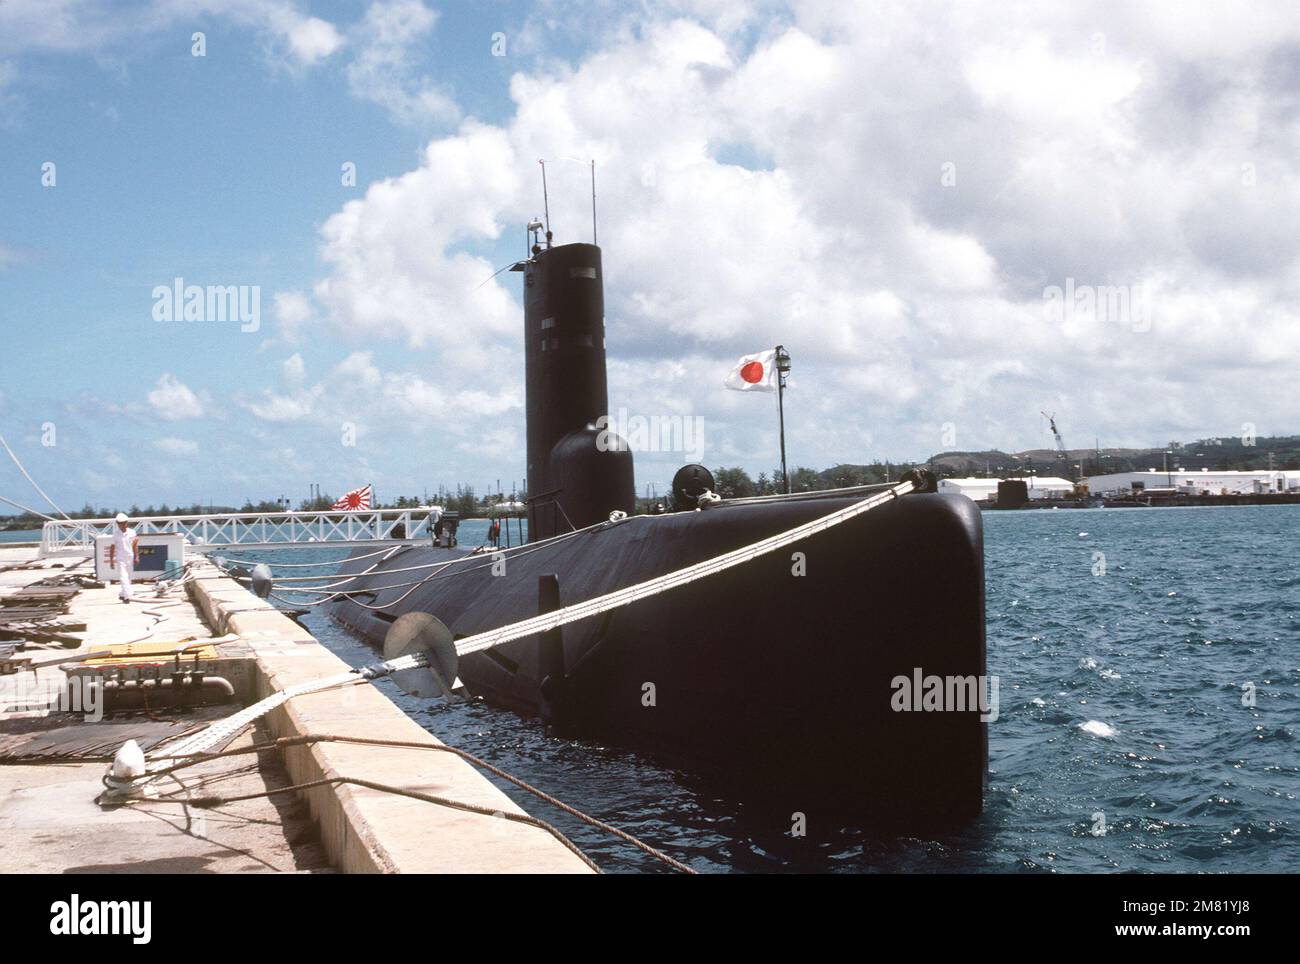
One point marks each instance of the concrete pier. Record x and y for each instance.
(51, 823)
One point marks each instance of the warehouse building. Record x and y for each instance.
(1200, 482)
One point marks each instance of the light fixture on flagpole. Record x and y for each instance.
(782, 370)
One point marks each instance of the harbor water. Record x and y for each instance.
(1129, 646)
(19, 535)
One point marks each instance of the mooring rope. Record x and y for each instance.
(671, 580)
(28, 509)
(31, 480)
(512, 553)
(311, 738)
(524, 818)
(223, 730)
(301, 565)
(227, 728)
(171, 758)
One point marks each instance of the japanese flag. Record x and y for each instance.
(354, 500)
(754, 373)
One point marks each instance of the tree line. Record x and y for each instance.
(731, 482)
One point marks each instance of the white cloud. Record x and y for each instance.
(787, 188)
(1074, 86)
(383, 69)
(312, 39)
(173, 400)
(8, 101)
(86, 25)
(176, 446)
(273, 407)
(358, 391)
(773, 173)
(394, 267)
(293, 309)
(295, 369)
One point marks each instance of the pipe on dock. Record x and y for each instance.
(137, 694)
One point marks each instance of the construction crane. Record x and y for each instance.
(1060, 446)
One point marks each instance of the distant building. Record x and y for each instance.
(1188, 482)
(986, 490)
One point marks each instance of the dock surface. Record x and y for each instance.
(51, 821)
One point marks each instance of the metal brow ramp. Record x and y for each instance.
(255, 530)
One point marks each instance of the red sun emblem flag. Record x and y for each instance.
(354, 500)
(754, 373)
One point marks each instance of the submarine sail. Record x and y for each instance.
(576, 477)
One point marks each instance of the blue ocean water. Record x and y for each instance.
(1149, 645)
(20, 535)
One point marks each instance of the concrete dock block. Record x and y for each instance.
(365, 830)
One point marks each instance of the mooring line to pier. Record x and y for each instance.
(224, 729)
(227, 728)
(660, 584)
(32, 481)
(311, 738)
(310, 565)
(330, 592)
(517, 551)
(527, 819)
(19, 505)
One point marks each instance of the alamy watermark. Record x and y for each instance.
(21, 692)
(74, 916)
(1128, 305)
(652, 433)
(181, 302)
(919, 693)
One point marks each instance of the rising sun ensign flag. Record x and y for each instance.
(754, 373)
(356, 499)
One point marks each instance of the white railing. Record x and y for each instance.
(256, 530)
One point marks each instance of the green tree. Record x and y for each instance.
(733, 483)
(465, 503)
(804, 480)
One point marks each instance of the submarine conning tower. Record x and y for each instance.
(578, 473)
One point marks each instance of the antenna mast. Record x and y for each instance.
(546, 204)
(593, 201)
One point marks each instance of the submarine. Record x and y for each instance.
(778, 681)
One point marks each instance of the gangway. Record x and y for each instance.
(256, 530)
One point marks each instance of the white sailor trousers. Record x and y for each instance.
(124, 573)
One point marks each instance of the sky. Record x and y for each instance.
(954, 216)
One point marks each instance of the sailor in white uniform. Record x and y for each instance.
(124, 555)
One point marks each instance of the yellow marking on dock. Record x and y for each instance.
(135, 653)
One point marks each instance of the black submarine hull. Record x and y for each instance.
(776, 680)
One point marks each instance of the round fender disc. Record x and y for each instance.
(422, 633)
